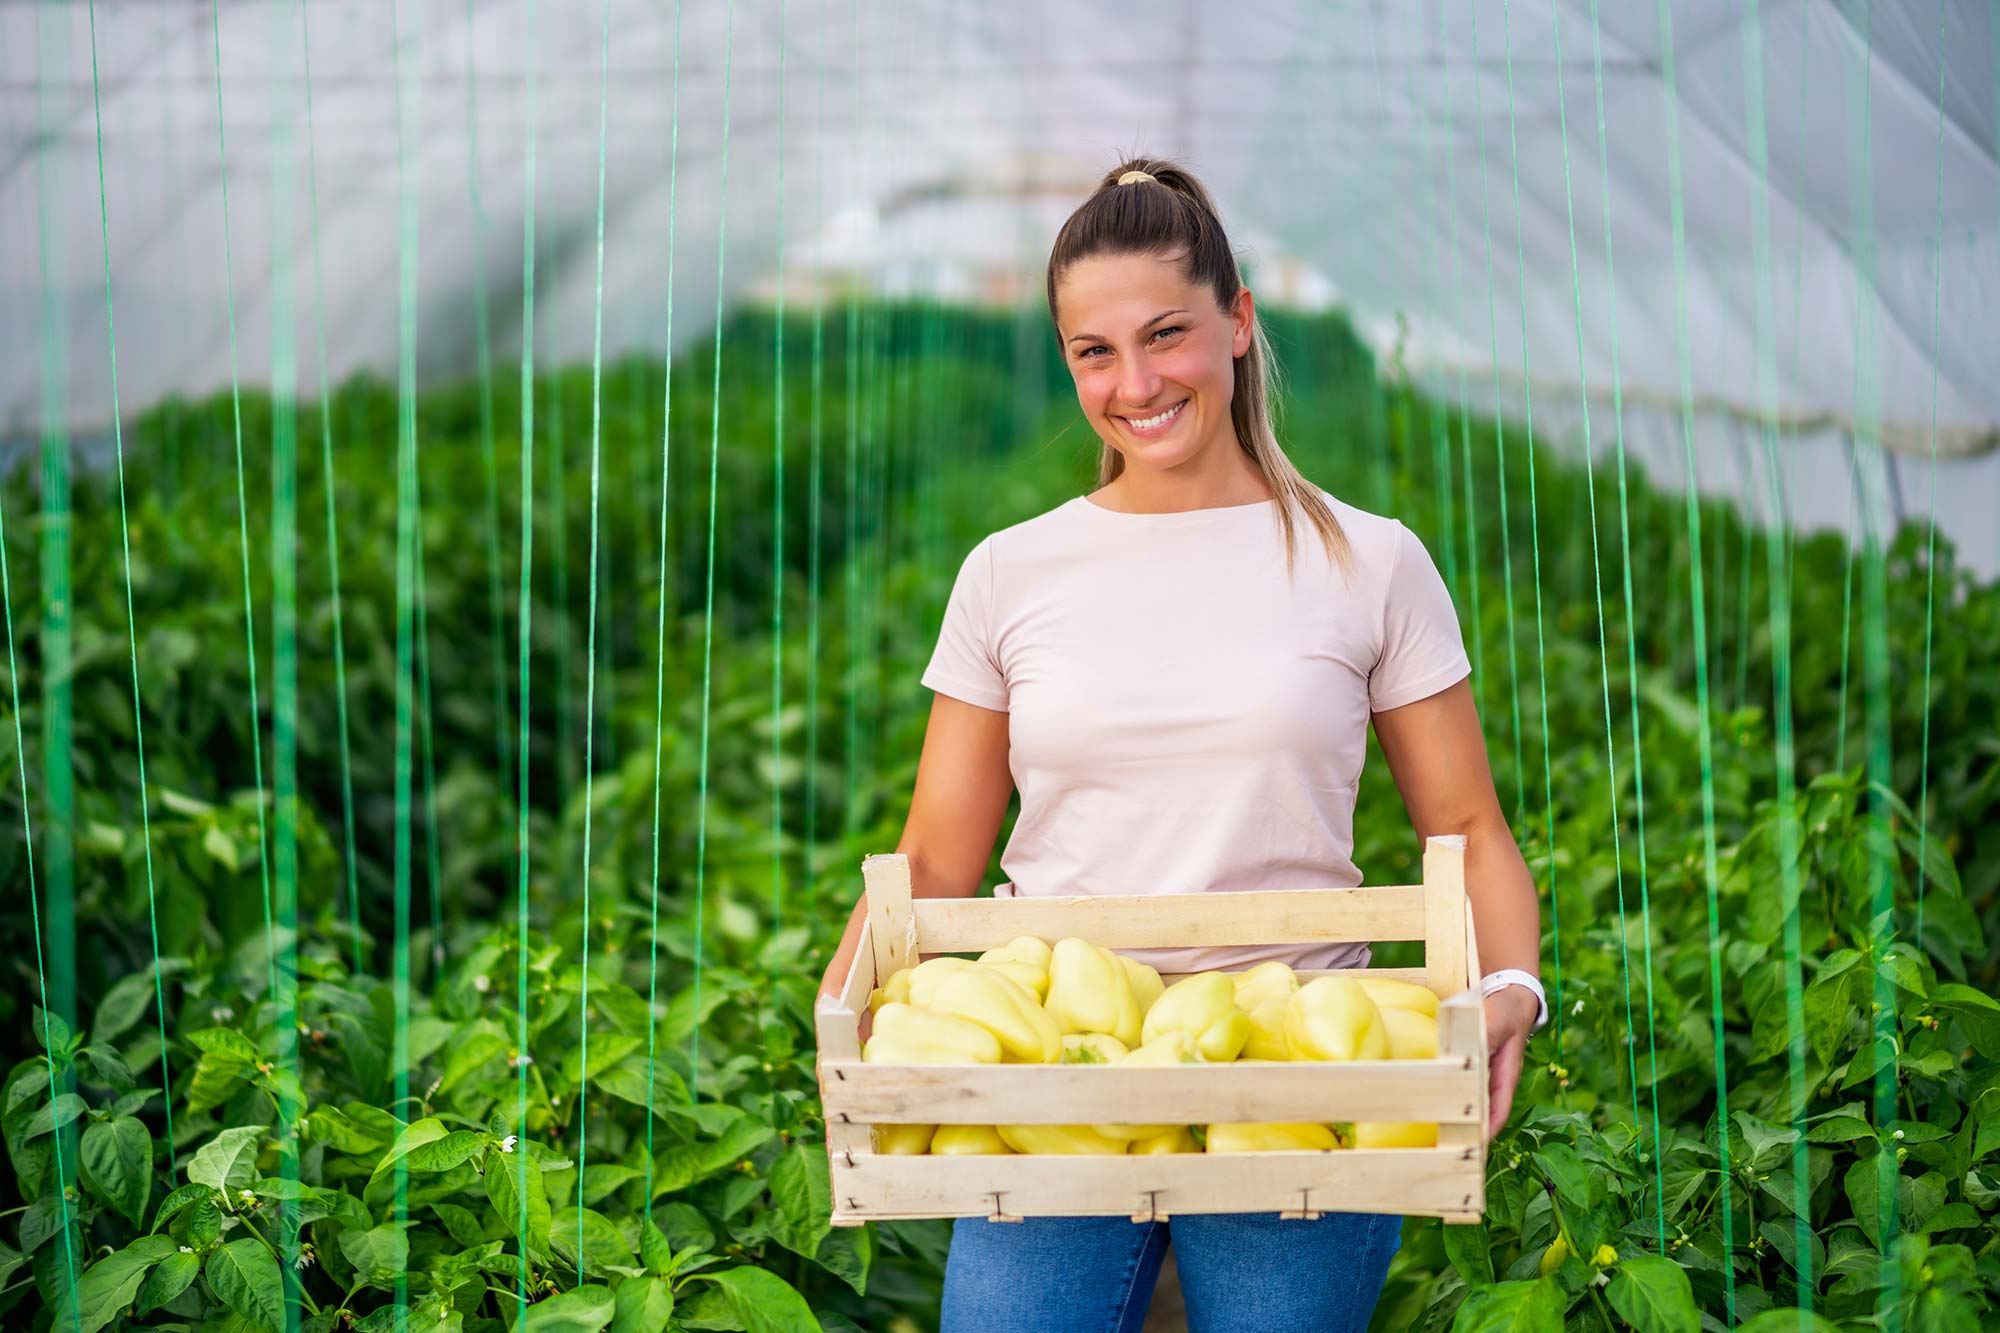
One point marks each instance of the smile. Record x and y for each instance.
(1154, 424)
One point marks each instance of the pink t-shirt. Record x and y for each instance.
(1181, 719)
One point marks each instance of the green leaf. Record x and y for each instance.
(123, 1005)
(117, 1160)
(654, 1249)
(527, 1211)
(181, 1198)
(681, 1166)
(579, 1310)
(229, 1161)
(221, 848)
(166, 1282)
(468, 1055)
(848, 1253)
(51, 1031)
(765, 1302)
(378, 1254)
(462, 1224)
(1786, 1321)
(109, 1285)
(804, 1196)
(1470, 1250)
(61, 1111)
(244, 1276)
(627, 1082)
(215, 1080)
(1513, 1307)
(1977, 1012)
(1653, 1294)
(461, 1145)
(602, 1243)
(1573, 1177)
(428, 1130)
(643, 1305)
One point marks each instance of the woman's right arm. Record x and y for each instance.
(963, 783)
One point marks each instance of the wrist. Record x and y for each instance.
(1535, 1002)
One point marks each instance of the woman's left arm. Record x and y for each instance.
(1437, 756)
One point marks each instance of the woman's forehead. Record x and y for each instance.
(1121, 288)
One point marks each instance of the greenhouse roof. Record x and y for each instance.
(1789, 210)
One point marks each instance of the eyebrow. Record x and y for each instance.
(1147, 325)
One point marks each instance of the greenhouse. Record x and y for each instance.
(508, 511)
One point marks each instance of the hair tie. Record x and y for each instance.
(1136, 175)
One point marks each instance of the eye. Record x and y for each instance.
(1171, 328)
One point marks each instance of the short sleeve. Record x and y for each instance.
(965, 664)
(1422, 649)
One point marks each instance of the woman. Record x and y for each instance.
(1186, 711)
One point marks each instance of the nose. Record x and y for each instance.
(1137, 385)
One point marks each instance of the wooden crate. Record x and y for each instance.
(1447, 1181)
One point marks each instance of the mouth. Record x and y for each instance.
(1157, 424)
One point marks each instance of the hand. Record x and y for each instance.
(1510, 1014)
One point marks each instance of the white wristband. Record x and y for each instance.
(1514, 976)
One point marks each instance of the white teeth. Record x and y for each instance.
(1150, 422)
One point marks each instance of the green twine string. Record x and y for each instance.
(1597, 588)
(708, 610)
(1777, 557)
(590, 657)
(1534, 535)
(1698, 609)
(242, 506)
(660, 647)
(131, 619)
(525, 615)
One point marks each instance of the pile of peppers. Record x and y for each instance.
(1080, 1003)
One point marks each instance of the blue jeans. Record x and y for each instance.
(1239, 1272)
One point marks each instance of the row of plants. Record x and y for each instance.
(376, 1098)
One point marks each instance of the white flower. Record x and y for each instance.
(222, 1013)
(516, 1061)
(507, 1144)
(187, 1249)
(482, 983)
(1577, 1008)
(305, 1258)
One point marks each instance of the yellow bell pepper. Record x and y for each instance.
(1412, 1035)
(967, 1141)
(1171, 1048)
(1263, 983)
(1389, 993)
(1267, 1032)
(926, 976)
(1552, 1257)
(1177, 1139)
(1027, 976)
(1332, 1018)
(907, 1035)
(1003, 1007)
(1269, 1138)
(896, 988)
(1092, 1048)
(1020, 958)
(1146, 983)
(903, 1140)
(1204, 1007)
(1388, 1134)
(1058, 1139)
(1090, 992)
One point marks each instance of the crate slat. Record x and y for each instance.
(1429, 1182)
(1170, 920)
(1424, 1090)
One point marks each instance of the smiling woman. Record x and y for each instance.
(1178, 718)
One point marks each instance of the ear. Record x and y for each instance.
(1243, 320)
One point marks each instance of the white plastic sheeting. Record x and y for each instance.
(1437, 167)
